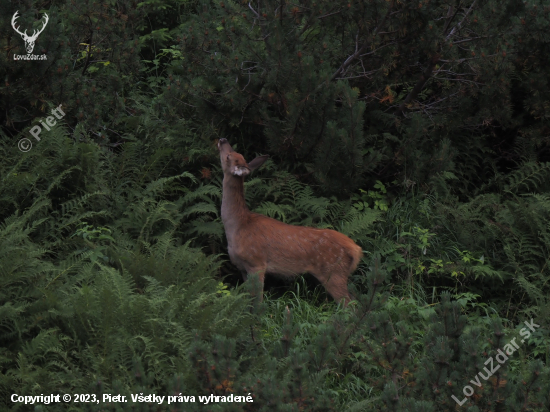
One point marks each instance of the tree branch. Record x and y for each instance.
(459, 25)
(351, 58)
(420, 84)
(434, 60)
(450, 17)
(89, 53)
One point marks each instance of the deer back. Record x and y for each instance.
(290, 250)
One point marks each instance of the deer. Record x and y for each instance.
(258, 244)
(29, 40)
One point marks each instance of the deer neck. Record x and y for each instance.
(234, 209)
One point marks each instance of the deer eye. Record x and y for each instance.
(227, 157)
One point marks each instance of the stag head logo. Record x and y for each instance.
(29, 40)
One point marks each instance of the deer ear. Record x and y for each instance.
(240, 171)
(257, 162)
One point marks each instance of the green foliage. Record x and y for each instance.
(86, 293)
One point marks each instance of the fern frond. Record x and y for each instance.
(528, 177)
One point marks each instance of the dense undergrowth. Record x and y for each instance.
(101, 293)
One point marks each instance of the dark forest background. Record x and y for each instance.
(419, 128)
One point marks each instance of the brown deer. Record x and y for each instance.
(259, 244)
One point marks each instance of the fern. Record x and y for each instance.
(359, 223)
(528, 177)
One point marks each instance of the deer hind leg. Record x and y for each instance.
(337, 287)
(259, 288)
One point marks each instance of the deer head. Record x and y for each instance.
(234, 164)
(29, 40)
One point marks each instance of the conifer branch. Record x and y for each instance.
(420, 84)
(254, 11)
(363, 47)
(459, 25)
(431, 65)
(89, 53)
(450, 17)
